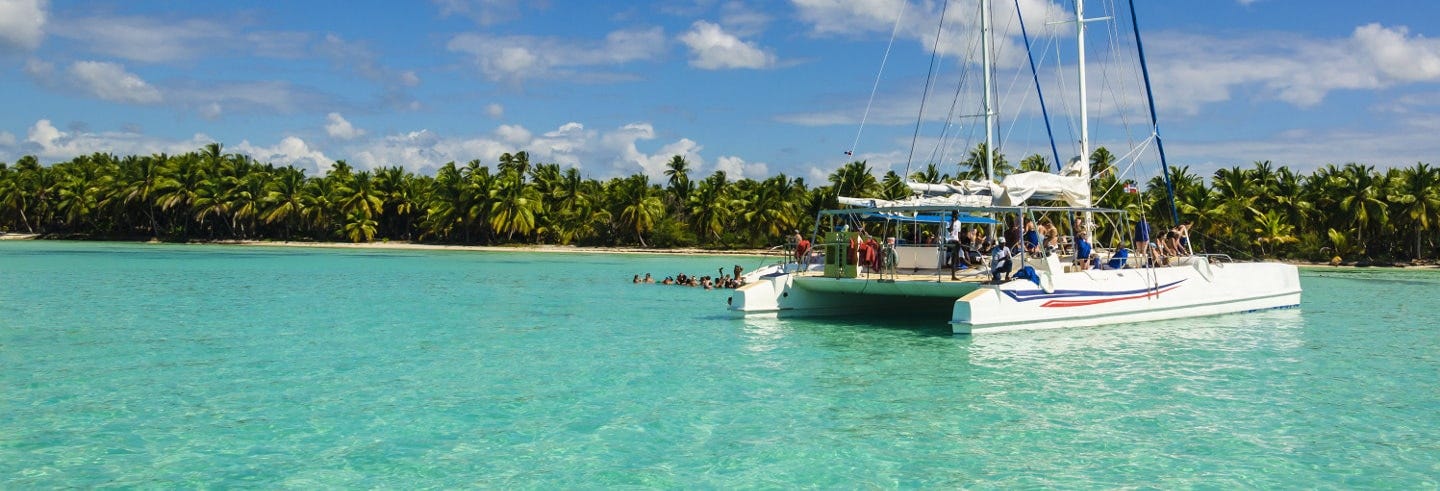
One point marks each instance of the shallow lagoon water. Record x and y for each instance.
(169, 365)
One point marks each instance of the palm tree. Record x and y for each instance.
(893, 187)
(285, 199)
(855, 180)
(639, 209)
(140, 178)
(930, 174)
(677, 171)
(710, 206)
(1417, 197)
(1034, 163)
(975, 164)
(177, 192)
(514, 206)
(1273, 230)
(359, 227)
(767, 213)
(1361, 199)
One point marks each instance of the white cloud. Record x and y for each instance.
(110, 81)
(211, 111)
(291, 151)
(515, 58)
(712, 48)
(154, 40)
(143, 39)
(1397, 55)
(273, 96)
(7, 138)
(483, 12)
(337, 127)
(495, 111)
(513, 134)
(45, 135)
(39, 68)
(1195, 70)
(736, 168)
(22, 24)
(48, 142)
(603, 153)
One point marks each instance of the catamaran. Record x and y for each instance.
(1045, 286)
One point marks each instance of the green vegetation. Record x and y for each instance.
(1352, 211)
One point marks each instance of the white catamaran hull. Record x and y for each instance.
(1097, 297)
(1074, 299)
(811, 295)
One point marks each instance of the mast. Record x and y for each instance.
(1154, 121)
(1084, 102)
(986, 67)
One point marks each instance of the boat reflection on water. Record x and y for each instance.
(1268, 330)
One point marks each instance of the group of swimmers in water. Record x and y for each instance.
(721, 280)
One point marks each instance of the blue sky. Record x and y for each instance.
(752, 88)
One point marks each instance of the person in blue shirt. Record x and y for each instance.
(1032, 238)
(1082, 250)
(1142, 237)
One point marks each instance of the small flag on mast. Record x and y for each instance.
(847, 152)
(1130, 188)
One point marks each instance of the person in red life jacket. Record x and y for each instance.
(802, 248)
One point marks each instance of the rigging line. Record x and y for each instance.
(876, 88)
(1044, 113)
(942, 147)
(924, 95)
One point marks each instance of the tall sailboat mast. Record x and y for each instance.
(1084, 102)
(987, 100)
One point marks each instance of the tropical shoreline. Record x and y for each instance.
(560, 249)
(568, 249)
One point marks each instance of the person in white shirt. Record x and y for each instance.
(952, 245)
(1000, 261)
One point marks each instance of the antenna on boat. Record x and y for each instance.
(987, 68)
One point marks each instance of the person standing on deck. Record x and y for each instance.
(1082, 250)
(1142, 237)
(952, 244)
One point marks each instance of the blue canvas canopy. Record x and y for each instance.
(935, 219)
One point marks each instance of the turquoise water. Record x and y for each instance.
(208, 366)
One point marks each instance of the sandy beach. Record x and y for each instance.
(395, 245)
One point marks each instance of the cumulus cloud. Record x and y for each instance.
(110, 81)
(46, 141)
(291, 151)
(1196, 70)
(495, 111)
(337, 127)
(515, 58)
(7, 139)
(1397, 55)
(712, 48)
(602, 154)
(737, 168)
(22, 24)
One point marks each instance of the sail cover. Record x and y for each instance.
(1072, 189)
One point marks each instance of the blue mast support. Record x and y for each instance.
(1154, 122)
(1033, 74)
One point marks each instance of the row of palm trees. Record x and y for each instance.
(1351, 211)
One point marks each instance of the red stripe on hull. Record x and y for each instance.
(1082, 303)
